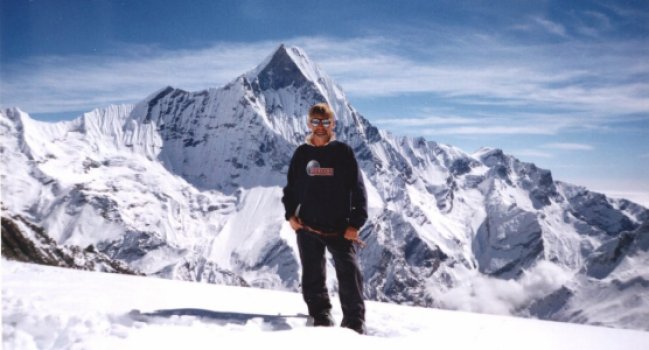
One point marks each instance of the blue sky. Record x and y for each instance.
(563, 84)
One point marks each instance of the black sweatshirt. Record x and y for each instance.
(325, 188)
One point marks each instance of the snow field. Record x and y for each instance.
(54, 308)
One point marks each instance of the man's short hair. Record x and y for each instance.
(321, 109)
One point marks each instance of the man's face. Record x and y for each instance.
(317, 125)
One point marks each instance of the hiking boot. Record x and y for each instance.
(323, 319)
(358, 327)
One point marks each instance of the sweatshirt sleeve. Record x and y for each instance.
(358, 214)
(289, 198)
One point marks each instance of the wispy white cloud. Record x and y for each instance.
(551, 27)
(604, 83)
(493, 130)
(486, 123)
(569, 146)
(629, 13)
(55, 84)
(468, 71)
(426, 121)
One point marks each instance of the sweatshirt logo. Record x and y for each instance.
(313, 169)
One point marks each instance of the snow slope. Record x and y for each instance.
(55, 308)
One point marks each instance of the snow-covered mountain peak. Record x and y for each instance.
(491, 156)
(286, 66)
(13, 113)
(288, 82)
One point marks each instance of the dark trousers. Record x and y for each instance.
(350, 281)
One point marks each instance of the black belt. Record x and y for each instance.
(321, 233)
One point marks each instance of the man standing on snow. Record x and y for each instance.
(326, 204)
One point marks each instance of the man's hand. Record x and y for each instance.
(295, 222)
(351, 234)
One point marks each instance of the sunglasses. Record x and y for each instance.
(323, 122)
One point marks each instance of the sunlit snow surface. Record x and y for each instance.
(45, 307)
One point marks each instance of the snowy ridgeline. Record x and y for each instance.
(187, 185)
(47, 307)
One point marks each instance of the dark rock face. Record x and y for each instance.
(460, 167)
(133, 245)
(155, 100)
(417, 253)
(595, 210)
(396, 273)
(494, 157)
(281, 72)
(609, 255)
(551, 304)
(507, 242)
(17, 245)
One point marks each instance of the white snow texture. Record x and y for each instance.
(53, 308)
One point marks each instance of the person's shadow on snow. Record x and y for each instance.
(275, 322)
